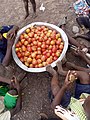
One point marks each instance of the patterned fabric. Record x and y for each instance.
(80, 7)
(76, 106)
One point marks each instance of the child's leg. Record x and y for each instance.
(13, 92)
(83, 77)
(71, 39)
(84, 36)
(54, 82)
(77, 67)
(60, 69)
(33, 5)
(26, 7)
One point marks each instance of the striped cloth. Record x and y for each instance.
(76, 106)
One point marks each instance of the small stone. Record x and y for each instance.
(75, 29)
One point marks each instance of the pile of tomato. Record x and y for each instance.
(39, 46)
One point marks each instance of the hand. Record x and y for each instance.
(82, 45)
(12, 32)
(79, 52)
(11, 40)
(68, 83)
(14, 83)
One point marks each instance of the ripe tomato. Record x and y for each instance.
(61, 46)
(34, 61)
(29, 49)
(22, 41)
(27, 30)
(26, 43)
(31, 65)
(17, 45)
(19, 54)
(39, 61)
(23, 48)
(27, 64)
(21, 59)
(27, 53)
(43, 58)
(21, 36)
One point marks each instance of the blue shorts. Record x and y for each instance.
(3, 42)
(79, 89)
(3, 48)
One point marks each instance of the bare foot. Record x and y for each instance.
(60, 69)
(43, 116)
(26, 16)
(64, 60)
(51, 70)
(34, 15)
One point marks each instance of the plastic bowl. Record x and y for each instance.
(42, 69)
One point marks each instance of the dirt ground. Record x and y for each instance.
(37, 85)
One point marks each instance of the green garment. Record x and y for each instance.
(10, 100)
(3, 90)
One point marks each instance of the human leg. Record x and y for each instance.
(33, 5)
(26, 8)
(60, 69)
(84, 36)
(76, 67)
(54, 82)
(82, 75)
(72, 41)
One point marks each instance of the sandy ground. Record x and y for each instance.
(37, 85)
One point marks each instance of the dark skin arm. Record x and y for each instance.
(59, 95)
(18, 106)
(82, 55)
(11, 37)
(5, 80)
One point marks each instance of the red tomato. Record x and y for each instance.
(17, 45)
(61, 47)
(23, 48)
(39, 44)
(19, 54)
(29, 48)
(21, 59)
(31, 65)
(26, 43)
(34, 61)
(27, 53)
(33, 55)
(22, 41)
(43, 46)
(43, 58)
(21, 36)
(39, 61)
(54, 49)
(35, 42)
(27, 64)
(29, 40)
(25, 59)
